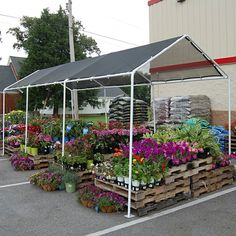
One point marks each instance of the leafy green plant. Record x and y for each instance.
(70, 177)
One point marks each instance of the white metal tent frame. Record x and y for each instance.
(131, 85)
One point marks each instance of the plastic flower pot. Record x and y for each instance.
(34, 151)
(89, 164)
(70, 187)
(126, 179)
(120, 180)
(22, 147)
(135, 185)
(28, 150)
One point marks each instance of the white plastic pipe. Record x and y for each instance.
(3, 121)
(26, 117)
(64, 119)
(229, 114)
(130, 143)
(105, 105)
(153, 108)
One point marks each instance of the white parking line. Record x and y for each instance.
(4, 159)
(162, 213)
(13, 185)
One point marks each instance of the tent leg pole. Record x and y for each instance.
(130, 144)
(26, 117)
(3, 121)
(229, 113)
(64, 119)
(153, 108)
(72, 106)
(105, 105)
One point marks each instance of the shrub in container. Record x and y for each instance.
(70, 179)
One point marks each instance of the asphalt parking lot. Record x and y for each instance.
(25, 210)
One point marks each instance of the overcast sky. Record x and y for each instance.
(126, 20)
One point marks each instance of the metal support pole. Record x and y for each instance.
(105, 105)
(72, 105)
(229, 113)
(153, 108)
(71, 38)
(26, 117)
(64, 119)
(130, 143)
(3, 121)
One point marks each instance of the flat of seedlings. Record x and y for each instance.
(193, 164)
(150, 195)
(187, 174)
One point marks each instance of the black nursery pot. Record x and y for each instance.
(44, 150)
(204, 154)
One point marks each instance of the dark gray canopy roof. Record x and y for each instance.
(159, 62)
(6, 77)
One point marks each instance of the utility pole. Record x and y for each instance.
(74, 93)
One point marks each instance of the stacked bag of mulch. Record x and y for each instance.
(120, 110)
(162, 110)
(186, 107)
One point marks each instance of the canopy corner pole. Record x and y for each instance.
(3, 121)
(26, 117)
(229, 114)
(105, 105)
(130, 143)
(64, 118)
(153, 108)
(72, 104)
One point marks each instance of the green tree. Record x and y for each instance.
(140, 92)
(46, 42)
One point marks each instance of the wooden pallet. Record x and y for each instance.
(41, 161)
(191, 165)
(186, 174)
(85, 176)
(10, 150)
(210, 181)
(162, 204)
(140, 199)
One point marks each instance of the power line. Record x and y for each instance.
(15, 17)
(89, 32)
(104, 36)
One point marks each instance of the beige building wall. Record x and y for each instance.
(212, 25)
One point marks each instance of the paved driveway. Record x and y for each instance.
(27, 211)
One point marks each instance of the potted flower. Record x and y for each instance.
(70, 179)
(87, 195)
(109, 202)
(48, 181)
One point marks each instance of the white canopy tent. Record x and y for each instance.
(174, 60)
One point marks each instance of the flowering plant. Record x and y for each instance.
(14, 140)
(224, 160)
(21, 162)
(104, 199)
(88, 192)
(47, 178)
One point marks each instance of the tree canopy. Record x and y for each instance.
(46, 42)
